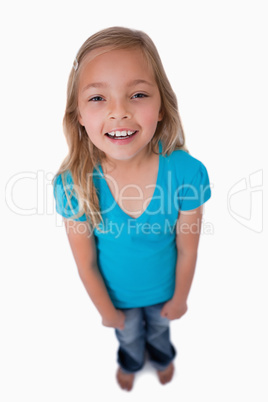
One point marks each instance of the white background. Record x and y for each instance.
(53, 346)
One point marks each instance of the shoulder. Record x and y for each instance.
(64, 179)
(63, 184)
(192, 179)
(67, 203)
(183, 163)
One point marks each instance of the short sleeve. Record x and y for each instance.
(66, 201)
(195, 191)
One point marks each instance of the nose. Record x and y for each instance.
(119, 110)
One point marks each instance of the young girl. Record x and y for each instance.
(131, 195)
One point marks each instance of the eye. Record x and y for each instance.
(139, 95)
(96, 99)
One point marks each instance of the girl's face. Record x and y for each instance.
(119, 102)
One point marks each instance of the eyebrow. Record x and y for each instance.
(105, 85)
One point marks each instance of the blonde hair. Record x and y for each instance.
(84, 156)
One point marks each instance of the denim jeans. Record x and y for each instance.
(145, 331)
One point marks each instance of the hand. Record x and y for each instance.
(174, 310)
(117, 321)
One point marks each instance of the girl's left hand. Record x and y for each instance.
(173, 310)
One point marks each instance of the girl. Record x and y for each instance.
(131, 195)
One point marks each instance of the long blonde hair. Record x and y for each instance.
(84, 156)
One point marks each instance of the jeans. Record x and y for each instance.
(145, 331)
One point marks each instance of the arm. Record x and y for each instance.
(84, 251)
(187, 239)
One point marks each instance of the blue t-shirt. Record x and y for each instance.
(137, 256)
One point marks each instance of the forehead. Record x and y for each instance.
(102, 63)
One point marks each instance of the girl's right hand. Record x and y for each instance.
(118, 321)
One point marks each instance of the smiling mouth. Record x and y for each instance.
(120, 135)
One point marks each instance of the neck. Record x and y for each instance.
(134, 163)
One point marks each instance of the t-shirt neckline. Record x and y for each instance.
(143, 214)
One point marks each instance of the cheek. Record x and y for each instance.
(91, 121)
(96, 139)
(94, 127)
(151, 117)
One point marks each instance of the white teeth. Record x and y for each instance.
(121, 133)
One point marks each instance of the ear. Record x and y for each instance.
(160, 115)
(80, 119)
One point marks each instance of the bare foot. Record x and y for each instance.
(125, 380)
(166, 375)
